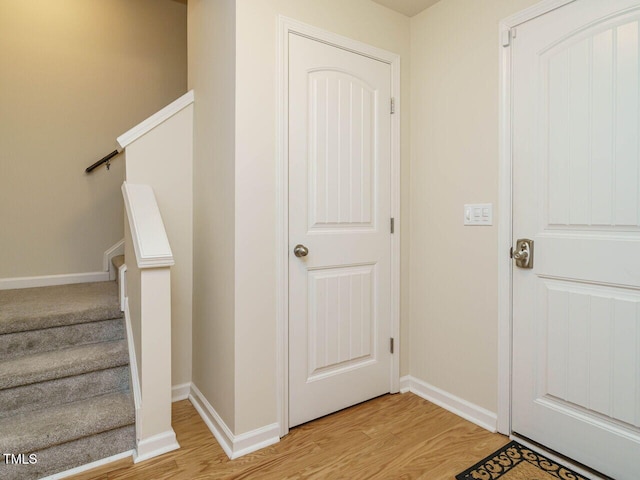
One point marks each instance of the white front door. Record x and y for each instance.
(576, 191)
(339, 210)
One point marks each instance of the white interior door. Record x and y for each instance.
(576, 188)
(339, 209)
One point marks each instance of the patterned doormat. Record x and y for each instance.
(515, 462)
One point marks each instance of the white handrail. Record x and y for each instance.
(156, 119)
(149, 236)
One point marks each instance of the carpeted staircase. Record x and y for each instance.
(64, 379)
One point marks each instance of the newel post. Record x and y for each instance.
(149, 311)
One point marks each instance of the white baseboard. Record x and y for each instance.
(107, 274)
(50, 280)
(89, 466)
(233, 445)
(223, 434)
(156, 445)
(114, 251)
(467, 410)
(180, 392)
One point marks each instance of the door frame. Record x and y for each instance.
(505, 204)
(285, 27)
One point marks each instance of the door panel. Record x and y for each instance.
(340, 319)
(576, 314)
(593, 94)
(342, 135)
(339, 208)
(591, 330)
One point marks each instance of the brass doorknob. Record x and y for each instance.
(300, 251)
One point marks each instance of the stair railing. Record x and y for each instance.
(106, 159)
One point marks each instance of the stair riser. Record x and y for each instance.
(72, 454)
(65, 390)
(36, 341)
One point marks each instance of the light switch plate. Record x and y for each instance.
(478, 214)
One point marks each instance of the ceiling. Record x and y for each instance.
(407, 7)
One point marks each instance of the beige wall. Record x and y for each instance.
(452, 299)
(75, 74)
(454, 160)
(212, 77)
(255, 175)
(232, 69)
(163, 159)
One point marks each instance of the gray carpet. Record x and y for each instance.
(45, 307)
(63, 390)
(62, 363)
(44, 340)
(64, 378)
(72, 454)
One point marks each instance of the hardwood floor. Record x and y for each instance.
(391, 437)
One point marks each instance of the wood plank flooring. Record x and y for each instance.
(391, 437)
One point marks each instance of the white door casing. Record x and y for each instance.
(576, 193)
(340, 311)
(286, 27)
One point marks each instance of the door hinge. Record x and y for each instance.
(393, 105)
(511, 252)
(393, 225)
(391, 345)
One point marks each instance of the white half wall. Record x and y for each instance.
(163, 159)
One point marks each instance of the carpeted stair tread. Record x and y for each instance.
(62, 363)
(64, 378)
(44, 307)
(35, 341)
(73, 454)
(63, 390)
(32, 431)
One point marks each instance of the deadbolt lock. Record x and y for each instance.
(523, 253)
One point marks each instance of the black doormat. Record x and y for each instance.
(516, 462)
